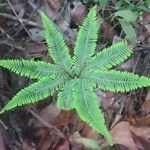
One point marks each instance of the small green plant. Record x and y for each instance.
(128, 12)
(75, 77)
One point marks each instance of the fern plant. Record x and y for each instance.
(75, 77)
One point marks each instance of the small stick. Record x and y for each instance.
(26, 21)
(45, 123)
(8, 43)
(18, 18)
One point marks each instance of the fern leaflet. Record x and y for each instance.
(31, 69)
(86, 40)
(117, 81)
(86, 104)
(35, 92)
(56, 45)
(65, 99)
(110, 57)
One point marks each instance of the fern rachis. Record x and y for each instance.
(75, 77)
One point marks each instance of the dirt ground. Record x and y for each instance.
(41, 126)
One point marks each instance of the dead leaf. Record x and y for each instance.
(107, 31)
(146, 18)
(78, 13)
(122, 135)
(63, 146)
(143, 121)
(27, 146)
(88, 143)
(54, 4)
(142, 132)
(106, 100)
(50, 113)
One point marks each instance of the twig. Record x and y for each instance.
(18, 18)
(26, 21)
(2, 123)
(136, 62)
(45, 123)
(7, 35)
(12, 45)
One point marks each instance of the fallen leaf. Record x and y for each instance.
(50, 113)
(143, 121)
(88, 143)
(121, 134)
(142, 132)
(27, 146)
(63, 146)
(106, 100)
(78, 13)
(54, 4)
(107, 31)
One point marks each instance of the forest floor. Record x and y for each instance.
(41, 126)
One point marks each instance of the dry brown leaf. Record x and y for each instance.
(93, 135)
(78, 13)
(144, 121)
(54, 4)
(122, 135)
(66, 117)
(63, 146)
(146, 18)
(27, 146)
(142, 132)
(107, 99)
(107, 31)
(50, 113)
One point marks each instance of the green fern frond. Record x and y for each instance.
(35, 92)
(117, 81)
(86, 104)
(110, 57)
(30, 68)
(65, 99)
(56, 44)
(86, 40)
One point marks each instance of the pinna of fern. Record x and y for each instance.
(75, 77)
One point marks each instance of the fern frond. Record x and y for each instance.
(56, 44)
(30, 68)
(86, 104)
(35, 92)
(117, 81)
(110, 57)
(65, 99)
(86, 40)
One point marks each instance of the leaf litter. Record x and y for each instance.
(133, 131)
